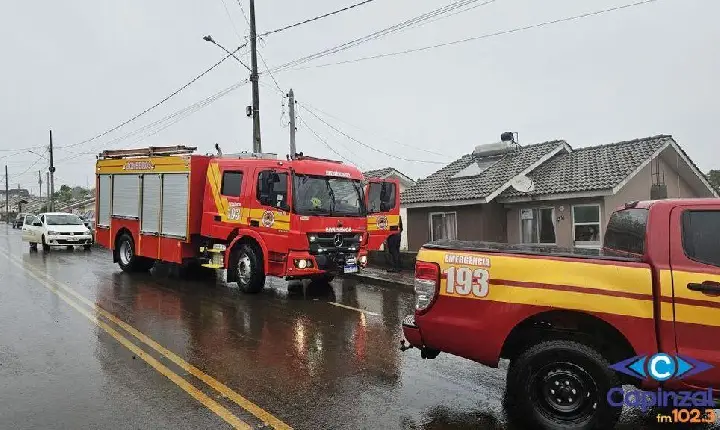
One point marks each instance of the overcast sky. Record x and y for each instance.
(81, 67)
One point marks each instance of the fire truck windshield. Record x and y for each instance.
(328, 196)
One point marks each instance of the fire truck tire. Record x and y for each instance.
(127, 259)
(561, 384)
(248, 267)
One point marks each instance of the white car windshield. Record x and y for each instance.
(63, 220)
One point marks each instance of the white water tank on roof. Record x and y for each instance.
(493, 148)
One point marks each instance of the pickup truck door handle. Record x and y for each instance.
(705, 287)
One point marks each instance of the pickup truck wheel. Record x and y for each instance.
(33, 246)
(248, 268)
(561, 384)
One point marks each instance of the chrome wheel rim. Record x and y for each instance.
(244, 269)
(126, 253)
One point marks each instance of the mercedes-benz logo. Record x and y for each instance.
(338, 240)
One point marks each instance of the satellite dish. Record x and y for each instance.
(522, 183)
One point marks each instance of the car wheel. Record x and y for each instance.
(248, 267)
(561, 384)
(45, 246)
(33, 246)
(87, 247)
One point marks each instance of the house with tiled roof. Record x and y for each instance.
(405, 183)
(546, 193)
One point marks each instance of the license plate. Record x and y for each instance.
(351, 268)
(71, 239)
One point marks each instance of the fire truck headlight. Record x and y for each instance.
(312, 238)
(303, 264)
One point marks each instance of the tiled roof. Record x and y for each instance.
(379, 173)
(441, 186)
(593, 168)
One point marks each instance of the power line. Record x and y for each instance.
(306, 105)
(365, 144)
(484, 36)
(37, 160)
(420, 19)
(316, 18)
(161, 124)
(174, 93)
(262, 58)
(323, 141)
(232, 21)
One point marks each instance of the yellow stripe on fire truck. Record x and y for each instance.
(144, 165)
(382, 222)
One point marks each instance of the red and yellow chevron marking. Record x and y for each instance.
(242, 215)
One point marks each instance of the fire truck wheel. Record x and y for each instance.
(127, 259)
(561, 384)
(249, 273)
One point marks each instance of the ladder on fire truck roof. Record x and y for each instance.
(152, 151)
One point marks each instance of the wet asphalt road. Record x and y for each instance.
(307, 356)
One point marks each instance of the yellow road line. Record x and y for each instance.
(223, 389)
(203, 398)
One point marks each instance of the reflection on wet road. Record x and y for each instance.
(304, 356)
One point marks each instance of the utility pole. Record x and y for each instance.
(40, 182)
(291, 108)
(7, 196)
(47, 184)
(257, 146)
(52, 177)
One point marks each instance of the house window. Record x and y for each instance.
(443, 225)
(586, 225)
(537, 225)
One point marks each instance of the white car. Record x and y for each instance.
(56, 229)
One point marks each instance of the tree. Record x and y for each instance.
(714, 178)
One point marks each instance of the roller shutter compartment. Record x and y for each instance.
(105, 200)
(150, 222)
(175, 205)
(126, 196)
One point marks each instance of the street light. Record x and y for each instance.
(255, 109)
(209, 38)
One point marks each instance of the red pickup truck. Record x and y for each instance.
(577, 324)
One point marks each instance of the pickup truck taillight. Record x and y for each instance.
(427, 279)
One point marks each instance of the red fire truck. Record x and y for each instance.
(251, 214)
